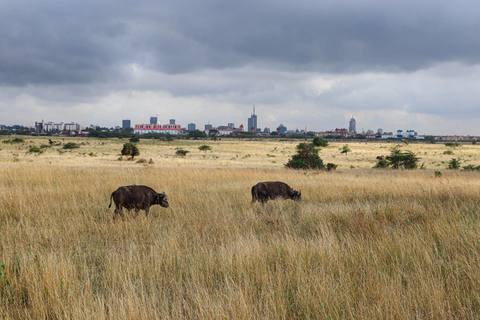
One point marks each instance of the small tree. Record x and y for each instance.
(398, 159)
(204, 148)
(453, 144)
(320, 142)
(129, 149)
(181, 152)
(454, 164)
(305, 158)
(345, 149)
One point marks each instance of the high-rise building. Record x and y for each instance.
(352, 126)
(252, 122)
(172, 121)
(126, 124)
(192, 127)
(231, 125)
(208, 127)
(153, 120)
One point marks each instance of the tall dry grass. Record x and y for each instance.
(362, 243)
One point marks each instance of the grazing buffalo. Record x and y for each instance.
(138, 198)
(263, 191)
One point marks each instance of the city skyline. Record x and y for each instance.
(405, 64)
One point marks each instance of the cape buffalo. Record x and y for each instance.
(138, 198)
(263, 191)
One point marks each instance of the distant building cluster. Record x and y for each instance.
(154, 126)
(42, 126)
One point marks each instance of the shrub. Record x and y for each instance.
(331, 167)
(438, 174)
(71, 145)
(454, 164)
(398, 159)
(449, 152)
(453, 144)
(381, 162)
(345, 149)
(129, 149)
(35, 149)
(204, 148)
(16, 140)
(471, 167)
(181, 153)
(320, 142)
(141, 161)
(305, 158)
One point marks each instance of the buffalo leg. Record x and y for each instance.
(118, 211)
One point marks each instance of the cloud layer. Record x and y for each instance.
(392, 65)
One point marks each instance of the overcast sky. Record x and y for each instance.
(304, 63)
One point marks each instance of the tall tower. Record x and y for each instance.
(252, 122)
(154, 120)
(352, 126)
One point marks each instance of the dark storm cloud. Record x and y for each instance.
(61, 42)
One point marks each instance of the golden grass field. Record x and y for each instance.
(362, 244)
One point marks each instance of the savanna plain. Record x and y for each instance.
(362, 244)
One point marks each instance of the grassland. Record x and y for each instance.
(363, 243)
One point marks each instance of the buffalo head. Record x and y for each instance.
(297, 195)
(161, 199)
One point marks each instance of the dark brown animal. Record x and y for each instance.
(138, 198)
(263, 191)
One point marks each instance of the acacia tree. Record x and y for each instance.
(204, 148)
(129, 149)
(398, 159)
(345, 149)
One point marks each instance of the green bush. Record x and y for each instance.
(453, 144)
(305, 158)
(331, 167)
(181, 153)
(454, 164)
(71, 145)
(129, 149)
(345, 149)
(471, 167)
(16, 140)
(320, 142)
(35, 149)
(381, 162)
(398, 159)
(204, 148)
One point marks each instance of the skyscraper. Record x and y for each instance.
(153, 120)
(192, 127)
(126, 124)
(252, 122)
(353, 126)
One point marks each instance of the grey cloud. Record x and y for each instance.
(87, 41)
